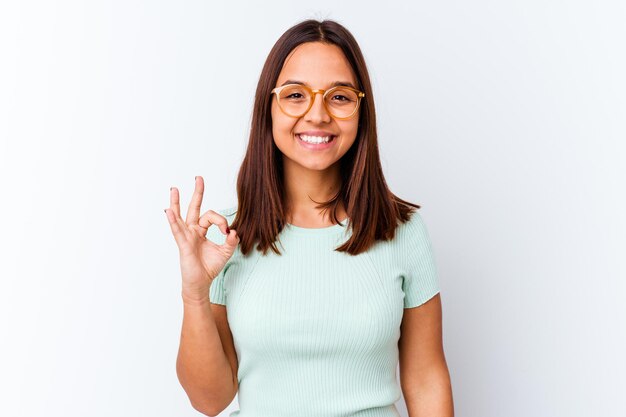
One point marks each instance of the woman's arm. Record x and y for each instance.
(204, 365)
(424, 375)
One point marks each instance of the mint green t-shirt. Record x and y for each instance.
(315, 330)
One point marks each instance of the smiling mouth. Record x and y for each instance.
(316, 140)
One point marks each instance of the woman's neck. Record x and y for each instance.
(302, 186)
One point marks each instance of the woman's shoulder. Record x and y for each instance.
(414, 223)
(412, 232)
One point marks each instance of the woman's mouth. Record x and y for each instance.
(316, 142)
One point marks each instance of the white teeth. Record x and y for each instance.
(315, 139)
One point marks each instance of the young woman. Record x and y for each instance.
(328, 278)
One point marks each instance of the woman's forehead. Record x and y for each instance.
(317, 65)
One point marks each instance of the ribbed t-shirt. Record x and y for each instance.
(315, 330)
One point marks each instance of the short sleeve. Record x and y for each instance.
(421, 282)
(217, 291)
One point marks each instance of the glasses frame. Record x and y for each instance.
(324, 93)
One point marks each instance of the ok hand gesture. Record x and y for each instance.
(201, 260)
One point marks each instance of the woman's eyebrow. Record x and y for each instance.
(334, 84)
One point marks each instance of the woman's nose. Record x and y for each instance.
(317, 113)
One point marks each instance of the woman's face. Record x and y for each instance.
(317, 65)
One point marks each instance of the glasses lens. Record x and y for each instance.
(342, 102)
(295, 99)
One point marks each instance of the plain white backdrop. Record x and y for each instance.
(504, 120)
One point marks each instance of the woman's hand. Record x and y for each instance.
(201, 260)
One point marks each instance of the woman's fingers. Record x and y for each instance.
(174, 201)
(175, 212)
(211, 217)
(175, 226)
(232, 239)
(196, 201)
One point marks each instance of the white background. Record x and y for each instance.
(504, 120)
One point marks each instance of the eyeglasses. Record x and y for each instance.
(296, 100)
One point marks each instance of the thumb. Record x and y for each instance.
(232, 239)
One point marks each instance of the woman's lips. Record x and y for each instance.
(317, 146)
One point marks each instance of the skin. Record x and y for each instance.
(311, 172)
(424, 375)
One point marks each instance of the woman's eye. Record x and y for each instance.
(294, 94)
(342, 98)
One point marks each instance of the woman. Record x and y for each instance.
(317, 326)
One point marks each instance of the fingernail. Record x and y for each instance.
(227, 230)
(196, 177)
(171, 188)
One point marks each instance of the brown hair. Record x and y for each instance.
(373, 210)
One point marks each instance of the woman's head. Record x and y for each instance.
(316, 53)
(317, 65)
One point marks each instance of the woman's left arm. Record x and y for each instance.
(424, 375)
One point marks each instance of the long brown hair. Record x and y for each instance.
(373, 210)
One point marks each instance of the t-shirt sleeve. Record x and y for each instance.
(421, 282)
(217, 294)
(217, 291)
